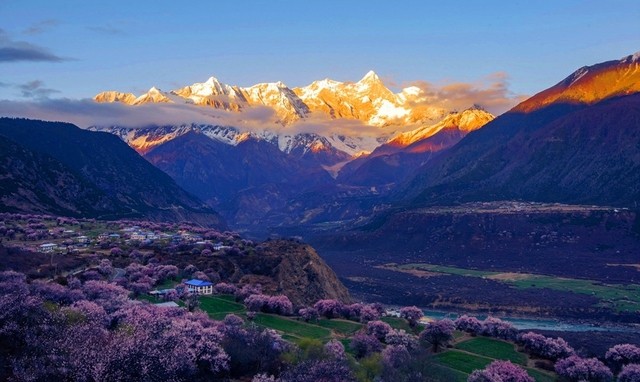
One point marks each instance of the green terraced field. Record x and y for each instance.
(214, 305)
(540, 376)
(401, 323)
(292, 327)
(462, 361)
(343, 327)
(467, 363)
(493, 348)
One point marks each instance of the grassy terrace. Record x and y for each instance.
(341, 327)
(293, 328)
(399, 323)
(466, 362)
(219, 306)
(619, 297)
(493, 348)
(462, 361)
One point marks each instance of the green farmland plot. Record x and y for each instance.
(216, 306)
(292, 327)
(401, 324)
(465, 362)
(343, 327)
(493, 348)
(462, 361)
(540, 376)
(623, 298)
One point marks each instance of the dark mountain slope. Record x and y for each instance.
(32, 182)
(576, 142)
(246, 180)
(397, 160)
(101, 165)
(561, 153)
(392, 168)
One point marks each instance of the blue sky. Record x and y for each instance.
(76, 49)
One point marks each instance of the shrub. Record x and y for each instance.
(545, 347)
(630, 373)
(269, 304)
(335, 349)
(378, 329)
(500, 371)
(364, 344)
(400, 337)
(328, 370)
(224, 288)
(438, 333)
(495, 327)
(576, 369)
(468, 324)
(308, 314)
(394, 356)
(412, 314)
(328, 308)
(621, 355)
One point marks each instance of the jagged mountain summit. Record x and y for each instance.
(463, 122)
(590, 84)
(367, 100)
(303, 146)
(398, 158)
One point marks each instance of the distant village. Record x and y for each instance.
(68, 244)
(70, 240)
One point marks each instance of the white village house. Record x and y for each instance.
(199, 286)
(48, 247)
(219, 246)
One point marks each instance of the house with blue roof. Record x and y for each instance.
(199, 286)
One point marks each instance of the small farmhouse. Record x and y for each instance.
(199, 286)
(48, 247)
(138, 236)
(219, 246)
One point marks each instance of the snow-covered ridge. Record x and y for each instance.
(465, 121)
(145, 139)
(367, 100)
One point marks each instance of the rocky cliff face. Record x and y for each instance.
(286, 267)
(302, 275)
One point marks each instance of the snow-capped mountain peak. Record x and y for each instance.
(632, 58)
(154, 95)
(114, 96)
(367, 100)
(465, 121)
(371, 76)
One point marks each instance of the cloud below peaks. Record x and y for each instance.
(491, 92)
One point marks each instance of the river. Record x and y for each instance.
(536, 323)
